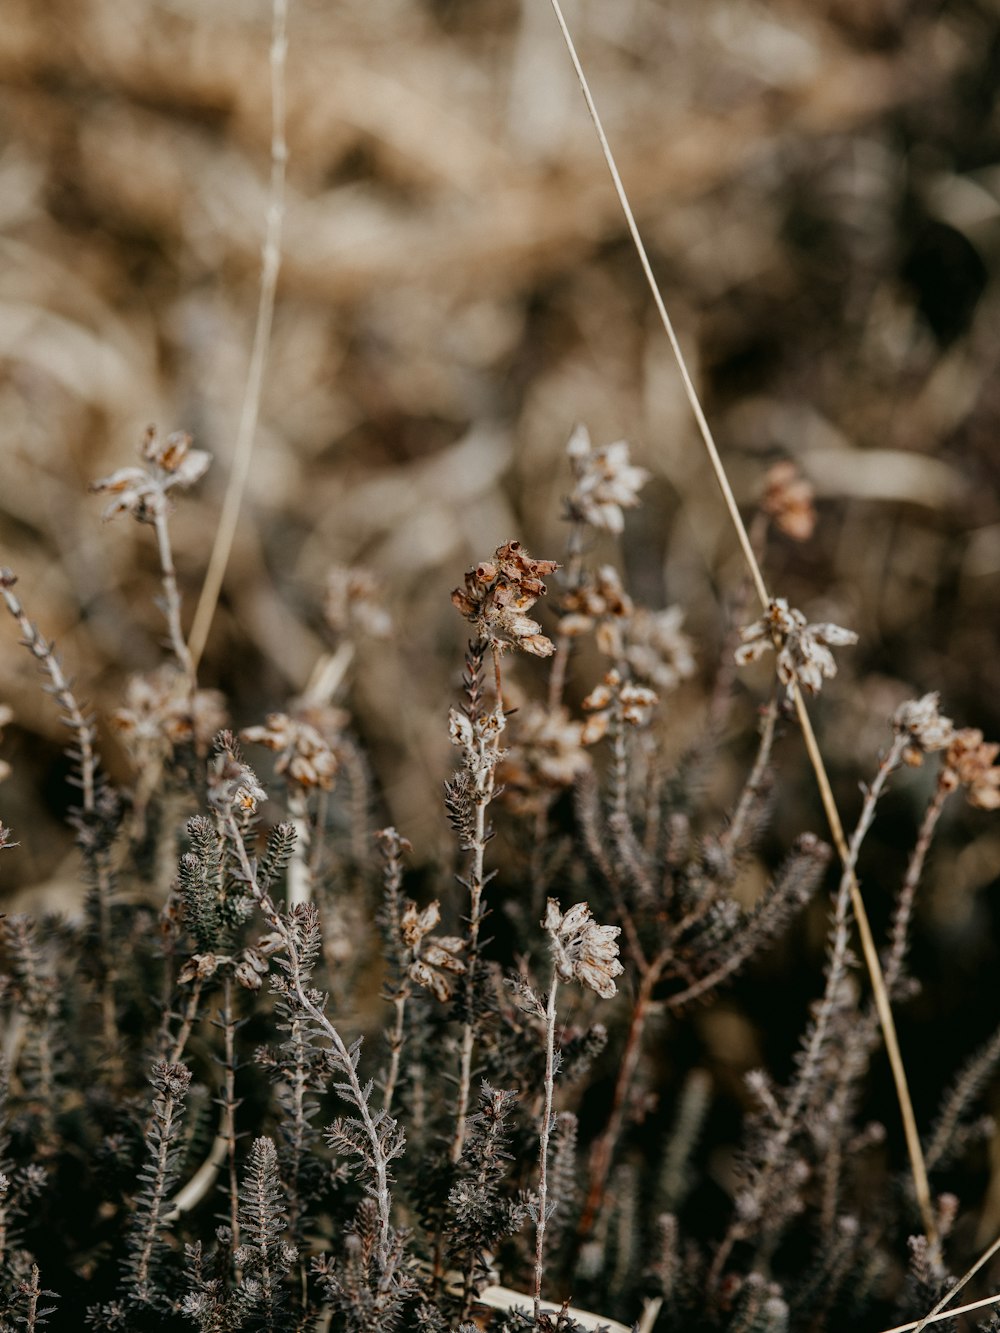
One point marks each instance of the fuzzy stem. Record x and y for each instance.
(485, 779)
(543, 1141)
(229, 1105)
(918, 1167)
(345, 1063)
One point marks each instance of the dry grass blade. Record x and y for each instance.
(873, 965)
(271, 263)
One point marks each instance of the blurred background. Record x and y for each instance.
(819, 187)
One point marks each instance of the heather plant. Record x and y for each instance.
(207, 1119)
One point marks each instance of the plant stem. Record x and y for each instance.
(271, 263)
(543, 1142)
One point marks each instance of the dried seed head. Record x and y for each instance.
(971, 763)
(615, 700)
(142, 491)
(606, 482)
(497, 595)
(353, 603)
(546, 755)
(160, 713)
(924, 726)
(434, 961)
(788, 499)
(582, 950)
(305, 756)
(803, 650)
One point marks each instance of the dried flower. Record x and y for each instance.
(971, 763)
(600, 600)
(546, 755)
(304, 756)
(582, 950)
(803, 650)
(497, 594)
(788, 499)
(232, 785)
(433, 962)
(606, 482)
(142, 491)
(925, 727)
(657, 649)
(615, 699)
(161, 713)
(353, 603)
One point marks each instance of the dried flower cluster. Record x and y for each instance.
(497, 595)
(616, 699)
(803, 650)
(435, 961)
(143, 491)
(605, 482)
(305, 756)
(788, 500)
(582, 950)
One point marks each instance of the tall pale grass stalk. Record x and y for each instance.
(884, 1009)
(250, 411)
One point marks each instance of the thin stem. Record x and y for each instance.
(730, 837)
(345, 1063)
(880, 993)
(94, 852)
(603, 1150)
(485, 780)
(229, 1105)
(543, 1142)
(907, 894)
(970, 1273)
(171, 595)
(869, 951)
(689, 389)
(271, 263)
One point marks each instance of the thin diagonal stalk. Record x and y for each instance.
(271, 263)
(870, 953)
(543, 1142)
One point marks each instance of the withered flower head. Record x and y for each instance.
(925, 727)
(657, 649)
(547, 754)
(598, 600)
(803, 650)
(581, 949)
(497, 594)
(160, 713)
(606, 482)
(788, 499)
(434, 962)
(971, 763)
(304, 756)
(232, 785)
(353, 603)
(142, 491)
(615, 699)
